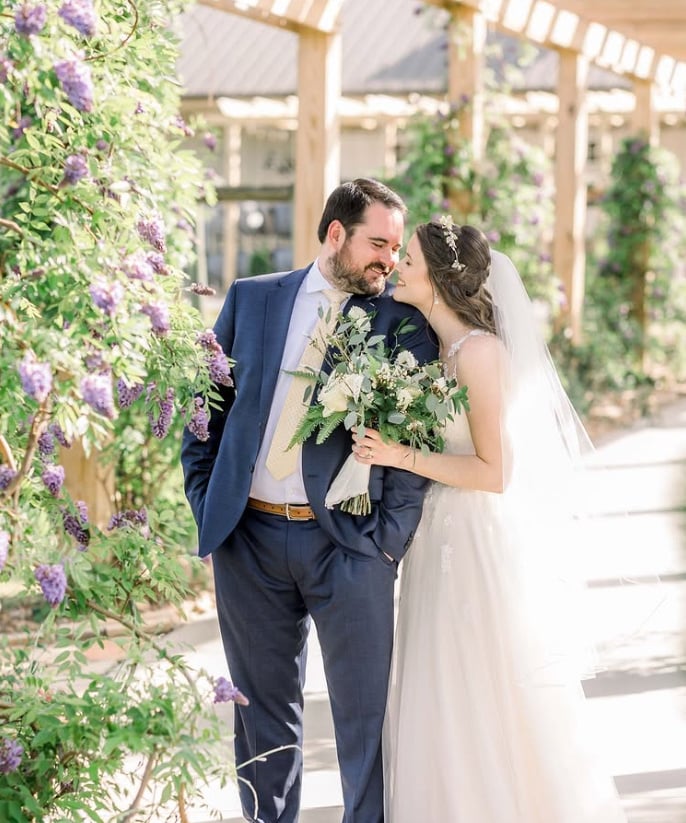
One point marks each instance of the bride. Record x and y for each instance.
(485, 717)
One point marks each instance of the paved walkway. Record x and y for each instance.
(637, 532)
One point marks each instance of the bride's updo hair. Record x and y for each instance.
(459, 260)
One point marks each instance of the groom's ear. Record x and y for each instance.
(336, 234)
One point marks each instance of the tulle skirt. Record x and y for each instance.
(482, 725)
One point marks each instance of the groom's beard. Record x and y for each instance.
(371, 280)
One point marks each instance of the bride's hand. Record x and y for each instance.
(371, 450)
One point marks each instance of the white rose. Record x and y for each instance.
(357, 313)
(334, 397)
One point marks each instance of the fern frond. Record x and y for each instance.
(307, 426)
(329, 424)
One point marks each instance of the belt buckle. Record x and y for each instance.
(288, 512)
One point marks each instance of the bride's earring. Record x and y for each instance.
(437, 299)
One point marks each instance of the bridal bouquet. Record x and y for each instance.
(371, 385)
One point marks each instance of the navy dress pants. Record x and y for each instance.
(271, 576)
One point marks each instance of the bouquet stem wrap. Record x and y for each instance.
(350, 488)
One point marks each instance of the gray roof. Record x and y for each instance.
(387, 48)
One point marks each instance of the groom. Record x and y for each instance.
(280, 556)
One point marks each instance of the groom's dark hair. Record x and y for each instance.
(348, 202)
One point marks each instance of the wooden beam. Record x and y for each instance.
(252, 13)
(636, 10)
(317, 159)
(556, 25)
(569, 252)
(293, 15)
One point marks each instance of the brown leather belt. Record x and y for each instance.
(291, 511)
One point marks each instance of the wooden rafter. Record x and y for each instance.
(294, 15)
(661, 25)
(579, 25)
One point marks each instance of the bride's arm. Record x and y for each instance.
(479, 367)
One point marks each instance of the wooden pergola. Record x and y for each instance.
(631, 38)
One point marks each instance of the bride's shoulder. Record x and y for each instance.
(478, 343)
(478, 355)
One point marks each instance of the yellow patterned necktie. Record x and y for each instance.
(282, 461)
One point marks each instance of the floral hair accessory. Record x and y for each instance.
(446, 222)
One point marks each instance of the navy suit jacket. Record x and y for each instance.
(252, 328)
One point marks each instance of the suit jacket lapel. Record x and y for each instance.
(277, 317)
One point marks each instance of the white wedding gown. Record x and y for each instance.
(474, 733)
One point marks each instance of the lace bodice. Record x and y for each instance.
(458, 438)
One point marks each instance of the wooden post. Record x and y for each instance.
(233, 134)
(466, 42)
(317, 157)
(645, 119)
(569, 248)
(88, 478)
(646, 123)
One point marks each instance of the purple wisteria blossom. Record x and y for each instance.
(128, 395)
(210, 140)
(75, 79)
(36, 378)
(130, 517)
(160, 425)
(199, 422)
(179, 123)
(158, 263)
(208, 340)
(159, 316)
(60, 436)
(96, 390)
(53, 478)
(202, 289)
(4, 548)
(77, 524)
(81, 15)
(30, 20)
(225, 691)
(46, 443)
(53, 582)
(137, 266)
(75, 169)
(220, 369)
(11, 753)
(151, 229)
(217, 362)
(106, 295)
(7, 475)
